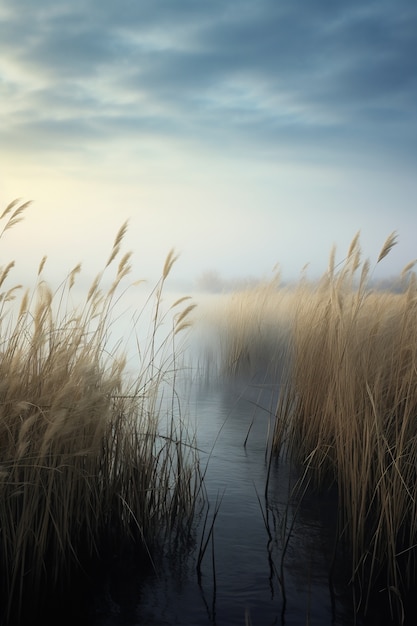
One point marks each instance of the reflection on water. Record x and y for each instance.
(265, 560)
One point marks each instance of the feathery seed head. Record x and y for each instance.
(169, 262)
(74, 272)
(408, 267)
(117, 242)
(5, 272)
(41, 265)
(354, 244)
(390, 242)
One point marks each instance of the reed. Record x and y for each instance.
(348, 413)
(249, 329)
(90, 460)
(347, 407)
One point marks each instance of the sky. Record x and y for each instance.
(244, 134)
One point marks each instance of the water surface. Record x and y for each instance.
(268, 557)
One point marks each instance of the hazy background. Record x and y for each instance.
(242, 133)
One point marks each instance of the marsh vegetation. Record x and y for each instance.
(100, 469)
(90, 464)
(344, 355)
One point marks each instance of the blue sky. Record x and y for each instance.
(242, 133)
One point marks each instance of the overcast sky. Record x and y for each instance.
(242, 133)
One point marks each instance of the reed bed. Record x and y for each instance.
(347, 410)
(247, 331)
(90, 460)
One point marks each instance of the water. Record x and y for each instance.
(267, 559)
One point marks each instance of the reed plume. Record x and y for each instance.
(390, 242)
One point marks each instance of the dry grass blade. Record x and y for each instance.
(332, 261)
(5, 272)
(9, 208)
(15, 217)
(181, 316)
(73, 274)
(364, 276)
(124, 266)
(12, 205)
(24, 304)
(180, 301)
(390, 242)
(94, 288)
(354, 244)
(408, 268)
(117, 243)
(169, 262)
(42, 265)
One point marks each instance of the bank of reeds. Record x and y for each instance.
(248, 330)
(347, 411)
(89, 462)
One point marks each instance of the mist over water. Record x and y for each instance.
(258, 553)
(261, 550)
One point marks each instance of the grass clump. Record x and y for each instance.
(87, 463)
(347, 410)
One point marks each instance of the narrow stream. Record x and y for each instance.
(267, 561)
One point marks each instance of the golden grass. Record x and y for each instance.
(86, 462)
(348, 403)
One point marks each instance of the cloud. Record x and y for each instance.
(270, 78)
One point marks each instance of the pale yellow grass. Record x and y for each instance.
(348, 411)
(345, 358)
(86, 461)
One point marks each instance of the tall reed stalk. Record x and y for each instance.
(87, 462)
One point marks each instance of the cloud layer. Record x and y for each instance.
(267, 76)
(244, 133)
